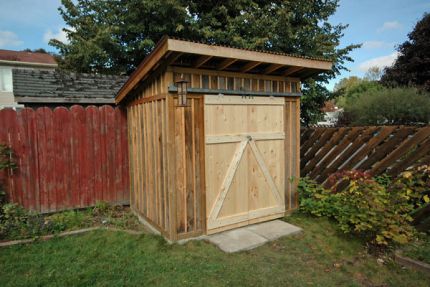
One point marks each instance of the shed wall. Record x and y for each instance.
(167, 161)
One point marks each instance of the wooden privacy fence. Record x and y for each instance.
(376, 149)
(67, 158)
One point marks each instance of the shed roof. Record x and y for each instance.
(41, 86)
(178, 52)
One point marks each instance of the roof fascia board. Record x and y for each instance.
(146, 66)
(247, 55)
(36, 100)
(32, 64)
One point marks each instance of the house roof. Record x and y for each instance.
(25, 57)
(179, 52)
(39, 86)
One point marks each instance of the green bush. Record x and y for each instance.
(414, 184)
(6, 162)
(388, 106)
(16, 222)
(348, 90)
(364, 208)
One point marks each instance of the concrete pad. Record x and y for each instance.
(237, 240)
(252, 236)
(273, 230)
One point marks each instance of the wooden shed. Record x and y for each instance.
(230, 157)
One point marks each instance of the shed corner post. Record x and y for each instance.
(171, 164)
(292, 152)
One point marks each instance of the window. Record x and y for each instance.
(221, 83)
(230, 83)
(288, 87)
(268, 86)
(247, 84)
(6, 80)
(261, 85)
(281, 86)
(205, 81)
(294, 87)
(275, 86)
(238, 84)
(214, 82)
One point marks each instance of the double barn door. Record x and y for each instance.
(244, 160)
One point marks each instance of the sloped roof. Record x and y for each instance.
(254, 50)
(27, 57)
(178, 52)
(40, 86)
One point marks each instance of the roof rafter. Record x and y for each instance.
(201, 61)
(292, 70)
(226, 63)
(273, 68)
(249, 66)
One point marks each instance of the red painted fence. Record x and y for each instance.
(67, 158)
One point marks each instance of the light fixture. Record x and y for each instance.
(182, 85)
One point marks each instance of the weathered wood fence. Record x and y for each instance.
(67, 158)
(376, 149)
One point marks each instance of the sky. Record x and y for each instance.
(380, 25)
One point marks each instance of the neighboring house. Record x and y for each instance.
(10, 60)
(35, 88)
(331, 114)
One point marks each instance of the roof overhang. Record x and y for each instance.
(198, 55)
(62, 100)
(27, 64)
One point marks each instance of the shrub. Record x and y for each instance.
(365, 208)
(6, 162)
(414, 185)
(16, 222)
(392, 106)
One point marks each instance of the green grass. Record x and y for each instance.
(419, 249)
(319, 257)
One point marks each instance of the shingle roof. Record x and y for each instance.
(29, 57)
(39, 86)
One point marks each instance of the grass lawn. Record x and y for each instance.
(319, 257)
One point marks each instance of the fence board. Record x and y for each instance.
(67, 158)
(378, 150)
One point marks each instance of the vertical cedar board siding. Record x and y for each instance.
(189, 163)
(147, 134)
(166, 165)
(292, 152)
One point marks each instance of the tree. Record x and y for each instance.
(39, 50)
(348, 90)
(113, 36)
(412, 67)
(373, 74)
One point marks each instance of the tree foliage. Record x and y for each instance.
(412, 67)
(348, 90)
(113, 36)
